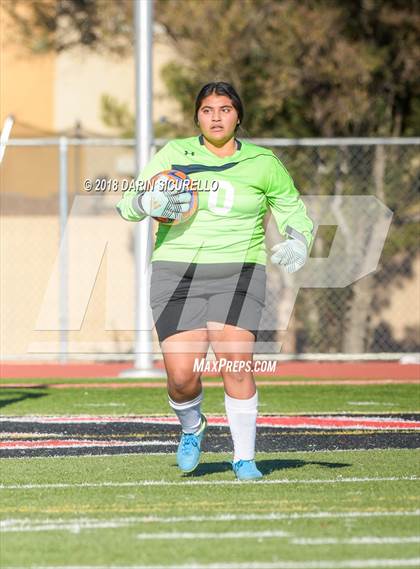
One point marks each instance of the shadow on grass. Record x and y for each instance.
(8, 397)
(210, 468)
(269, 466)
(266, 466)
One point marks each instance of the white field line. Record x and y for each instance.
(370, 563)
(143, 483)
(361, 403)
(7, 526)
(126, 454)
(79, 524)
(15, 444)
(100, 404)
(213, 535)
(103, 454)
(363, 540)
(221, 421)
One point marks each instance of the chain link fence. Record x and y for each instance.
(379, 312)
(315, 312)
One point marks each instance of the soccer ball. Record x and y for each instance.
(175, 181)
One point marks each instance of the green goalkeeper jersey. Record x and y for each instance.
(234, 194)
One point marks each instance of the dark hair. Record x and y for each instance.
(220, 88)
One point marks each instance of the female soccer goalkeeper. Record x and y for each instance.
(208, 273)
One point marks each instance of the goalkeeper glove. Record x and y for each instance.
(290, 254)
(162, 203)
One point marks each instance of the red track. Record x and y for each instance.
(277, 421)
(160, 384)
(328, 370)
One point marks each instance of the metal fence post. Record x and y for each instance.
(63, 207)
(143, 361)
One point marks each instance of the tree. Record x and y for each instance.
(60, 25)
(303, 68)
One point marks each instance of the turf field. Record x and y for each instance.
(89, 478)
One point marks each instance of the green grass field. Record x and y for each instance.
(356, 509)
(272, 399)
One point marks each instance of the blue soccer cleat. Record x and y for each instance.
(246, 470)
(188, 454)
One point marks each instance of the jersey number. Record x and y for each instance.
(228, 192)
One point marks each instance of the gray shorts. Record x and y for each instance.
(185, 296)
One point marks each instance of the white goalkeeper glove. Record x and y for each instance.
(290, 254)
(162, 203)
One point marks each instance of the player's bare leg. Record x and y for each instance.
(185, 391)
(179, 353)
(235, 346)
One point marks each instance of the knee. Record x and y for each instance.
(183, 381)
(236, 378)
(237, 371)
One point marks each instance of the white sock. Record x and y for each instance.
(188, 413)
(242, 418)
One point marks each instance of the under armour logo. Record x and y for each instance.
(187, 153)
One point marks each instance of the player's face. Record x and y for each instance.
(217, 118)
